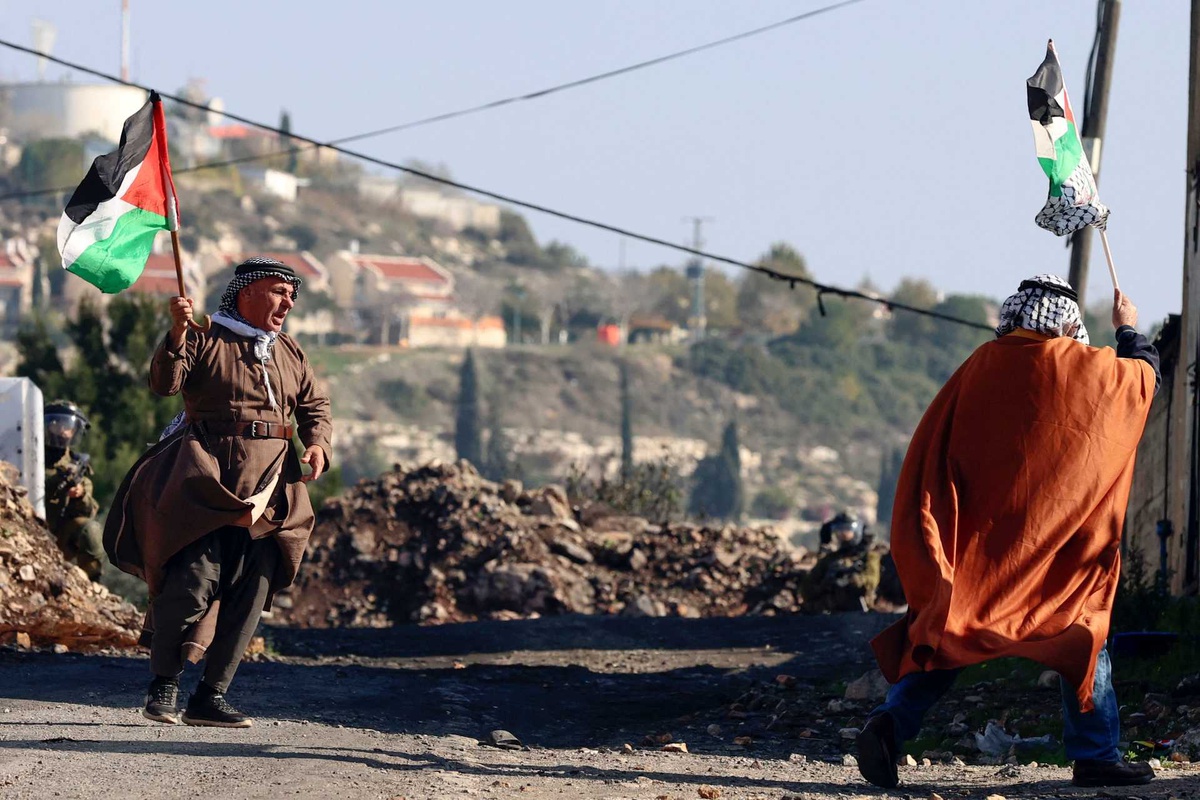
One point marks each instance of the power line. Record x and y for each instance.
(488, 106)
(792, 280)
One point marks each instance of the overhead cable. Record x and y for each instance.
(494, 104)
(791, 280)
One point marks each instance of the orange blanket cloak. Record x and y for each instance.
(1008, 514)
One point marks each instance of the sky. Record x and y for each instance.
(886, 139)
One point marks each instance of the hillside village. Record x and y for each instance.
(402, 276)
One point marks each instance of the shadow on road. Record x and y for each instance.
(550, 702)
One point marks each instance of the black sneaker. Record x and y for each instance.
(1111, 773)
(162, 700)
(877, 751)
(210, 709)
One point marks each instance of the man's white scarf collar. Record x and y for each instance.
(264, 342)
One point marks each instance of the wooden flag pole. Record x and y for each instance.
(1112, 271)
(197, 326)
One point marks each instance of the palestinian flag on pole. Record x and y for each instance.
(1074, 200)
(126, 198)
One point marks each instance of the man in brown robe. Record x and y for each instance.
(215, 517)
(1007, 524)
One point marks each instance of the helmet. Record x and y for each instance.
(843, 529)
(65, 424)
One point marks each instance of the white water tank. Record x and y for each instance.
(69, 110)
(22, 436)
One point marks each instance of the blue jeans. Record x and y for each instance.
(1093, 735)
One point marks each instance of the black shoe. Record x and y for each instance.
(1111, 773)
(877, 751)
(162, 700)
(209, 708)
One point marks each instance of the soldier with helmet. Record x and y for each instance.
(70, 507)
(846, 575)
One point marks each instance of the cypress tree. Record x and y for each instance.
(467, 434)
(626, 425)
(285, 126)
(717, 490)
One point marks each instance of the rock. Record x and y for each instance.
(27, 573)
(1154, 763)
(849, 761)
(835, 707)
(575, 552)
(957, 762)
(956, 729)
(675, 747)
(849, 733)
(743, 741)
(909, 761)
(973, 698)
(60, 648)
(23, 640)
(1048, 680)
(798, 758)
(870, 686)
(708, 792)
(627, 748)
(551, 501)
(934, 796)
(995, 797)
(511, 490)
(714, 730)
(925, 762)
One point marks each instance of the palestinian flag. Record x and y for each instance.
(1074, 200)
(108, 229)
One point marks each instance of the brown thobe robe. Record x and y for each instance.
(195, 481)
(1007, 523)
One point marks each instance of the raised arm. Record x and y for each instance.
(173, 359)
(1130, 343)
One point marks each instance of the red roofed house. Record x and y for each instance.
(387, 291)
(16, 285)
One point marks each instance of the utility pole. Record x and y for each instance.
(1093, 132)
(698, 318)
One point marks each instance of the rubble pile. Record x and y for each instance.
(45, 601)
(441, 544)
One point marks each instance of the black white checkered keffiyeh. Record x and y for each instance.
(251, 270)
(1044, 304)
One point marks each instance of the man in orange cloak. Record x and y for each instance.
(1007, 524)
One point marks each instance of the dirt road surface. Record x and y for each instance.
(399, 713)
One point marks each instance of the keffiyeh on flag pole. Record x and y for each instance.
(107, 231)
(1074, 200)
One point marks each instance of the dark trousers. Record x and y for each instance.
(228, 564)
(1093, 735)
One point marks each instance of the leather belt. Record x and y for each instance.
(255, 429)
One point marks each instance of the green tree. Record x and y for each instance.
(890, 462)
(106, 378)
(773, 502)
(292, 160)
(761, 302)
(906, 326)
(626, 424)
(467, 434)
(498, 463)
(50, 163)
(720, 300)
(717, 489)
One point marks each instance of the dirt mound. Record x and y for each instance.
(45, 601)
(441, 544)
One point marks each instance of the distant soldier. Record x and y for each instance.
(847, 572)
(70, 507)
